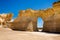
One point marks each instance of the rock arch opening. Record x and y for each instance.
(40, 23)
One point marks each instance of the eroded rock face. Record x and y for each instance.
(52, 24)
(4, 18)
(27, 19)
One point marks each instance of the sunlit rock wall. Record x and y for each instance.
(4, 18)
(52, 24)
(26, 21)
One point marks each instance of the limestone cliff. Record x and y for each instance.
(24, 19)
(53, 23)
(27, 19)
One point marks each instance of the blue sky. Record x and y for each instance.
(14, 6)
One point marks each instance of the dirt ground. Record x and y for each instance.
(8, 34)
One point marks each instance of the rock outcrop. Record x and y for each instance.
(52, 24)
(4, 18)
(27, 19)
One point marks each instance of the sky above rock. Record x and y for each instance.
(14, 6)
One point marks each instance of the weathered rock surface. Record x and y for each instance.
(52, 24)
(4, 18)
(27, 19)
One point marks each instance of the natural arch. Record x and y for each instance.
(28, 17)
